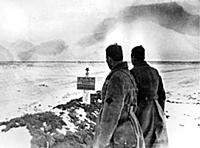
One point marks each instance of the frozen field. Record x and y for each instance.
(36, 87)
(22, 86)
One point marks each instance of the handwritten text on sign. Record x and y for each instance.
(87, 83)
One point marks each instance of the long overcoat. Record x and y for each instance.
(117, 125)
(151, 103)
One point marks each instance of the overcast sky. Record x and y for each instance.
(41, 20)
(70, 20)
(38, 20)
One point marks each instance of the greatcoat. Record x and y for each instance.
(117, 125)
(151, 103)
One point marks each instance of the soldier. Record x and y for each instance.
(117, 125)
(151, 100)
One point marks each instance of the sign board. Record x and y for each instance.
(86, 83)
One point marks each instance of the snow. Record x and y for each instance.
(81, 113)
(39, 87)
(15, 138)
(183, 125)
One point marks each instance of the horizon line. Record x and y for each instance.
(96, 61)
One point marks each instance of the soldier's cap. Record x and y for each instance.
(138, 52)
(115, 52)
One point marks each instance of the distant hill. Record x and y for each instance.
(5, 55)
(21, 45)
(166, 30)
(165, 45)
(52, 50)
(52, 47)
(20, 50)
(161, 44)
(169, 15)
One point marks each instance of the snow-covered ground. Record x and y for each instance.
(23, 87)
(30, 88)
(15, 138)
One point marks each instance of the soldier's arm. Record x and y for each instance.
(161, 94)
(113, 105)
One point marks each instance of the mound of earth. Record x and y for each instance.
(69, 125)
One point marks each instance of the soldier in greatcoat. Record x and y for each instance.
(151, 100)
(117, 125)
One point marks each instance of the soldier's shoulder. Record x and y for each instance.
(121, 75)
(154, 69)
(118, 74)
(135, 70)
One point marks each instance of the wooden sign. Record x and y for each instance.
(86, 83)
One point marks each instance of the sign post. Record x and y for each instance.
(86, 83)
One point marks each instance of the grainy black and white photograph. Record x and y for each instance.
(99, 73)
